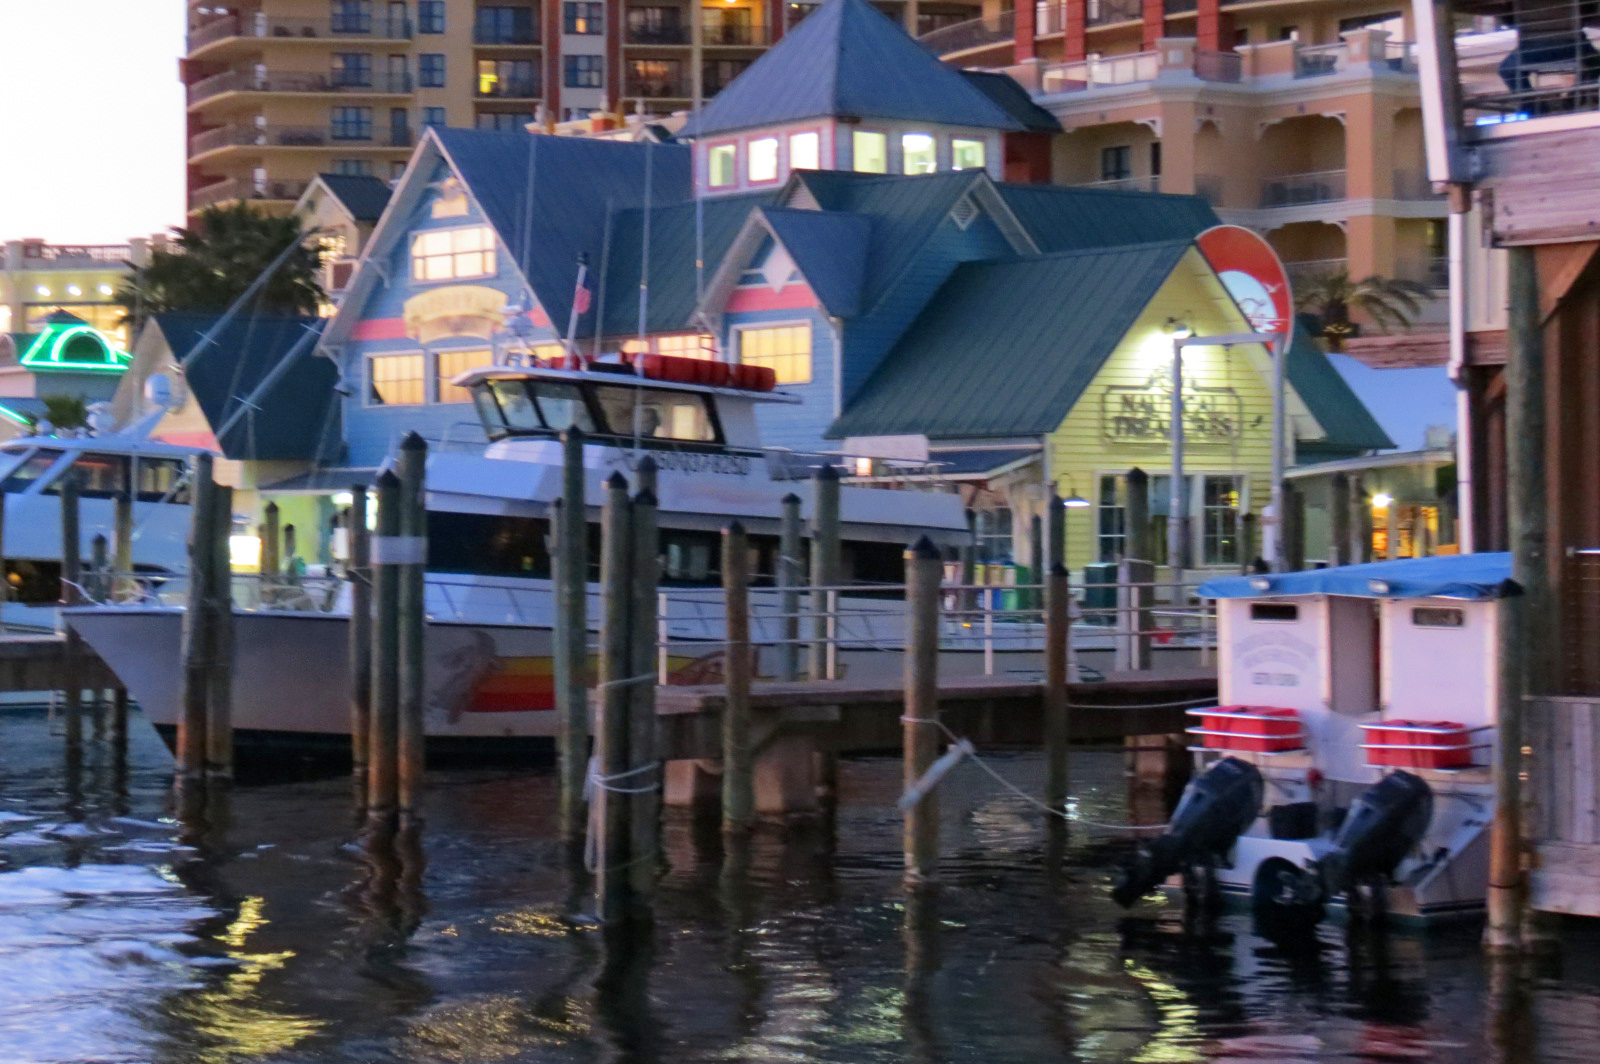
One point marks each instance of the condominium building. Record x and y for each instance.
(1299, 118)
(282, 90)
(38, 278)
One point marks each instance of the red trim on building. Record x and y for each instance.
(775, 13)
(1024, 29)
(613, 56)
(790, 297)
(379, 329)
(1211, 26)
(1155, 22)
(1075, 31)
(551, 16)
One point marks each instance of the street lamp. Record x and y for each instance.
(1177, 527)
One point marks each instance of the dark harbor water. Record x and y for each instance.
(118, 944)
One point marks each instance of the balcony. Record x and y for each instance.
(509, 89)
(1130, 69)
(1179, 7)
(259, 27)
(1146, 183)
(1306, 271)
(1318, 60)
(666, 34)
(37, 255)
(735, 36)
(657, 88)
(342, 83)
(1294, 190)
(974, 33)
(236, 189)
(516, 37)
(1227, 67)
(1108, 12)
(298, 137)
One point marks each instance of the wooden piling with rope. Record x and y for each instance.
(738, 772)
(219, 673)
(409, 559)
(644, 759)
(569, 635)
(609, 809)
(921, 735)
(197, 635)
(825, 571)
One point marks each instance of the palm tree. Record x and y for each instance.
(212, 262)
(65, 411)
(1388, 302)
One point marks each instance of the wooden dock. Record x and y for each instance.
(38, 663)
(855, 717)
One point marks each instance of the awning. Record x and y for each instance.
(1459, 576)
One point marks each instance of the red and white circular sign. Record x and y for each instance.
(1253, 275)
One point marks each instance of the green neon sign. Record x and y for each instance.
(49, 351)
(11, 415)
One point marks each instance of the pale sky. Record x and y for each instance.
(93, 118)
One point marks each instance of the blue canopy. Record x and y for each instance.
(1461, 576)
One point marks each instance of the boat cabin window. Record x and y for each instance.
(33, 467)
(1438, 617)
(1274, 611)
(519, 407)
(100, 476)
(160, 479)
(661, 414)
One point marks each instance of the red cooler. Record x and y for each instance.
(1251, 729)
(1418, 744)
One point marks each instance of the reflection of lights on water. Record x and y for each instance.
(497, 1027)
(544, 923)
(1177, 1035)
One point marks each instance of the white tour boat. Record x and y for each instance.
(1348, 758)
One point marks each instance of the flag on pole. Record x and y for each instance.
(580, 305)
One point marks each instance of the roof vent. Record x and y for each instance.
(965, 210)
(801, 198)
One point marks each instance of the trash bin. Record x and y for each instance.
(1100, 593)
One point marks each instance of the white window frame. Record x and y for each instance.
(750, 160)
(888, 156)
(982, 143)
(491, 250)
(372, 356)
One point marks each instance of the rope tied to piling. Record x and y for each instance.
(965, 747)
(625, 681)
(595, 781)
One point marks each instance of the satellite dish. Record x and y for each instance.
(158, 392)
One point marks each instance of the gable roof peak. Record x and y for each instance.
(847, 59)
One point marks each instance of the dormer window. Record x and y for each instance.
(763, 160)
(720, 160)
(919, 153)
(966, 154)
(805, 151)
(870, 152)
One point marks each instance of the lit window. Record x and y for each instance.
(918, 153)
(785, 348)
(683, 345)
(719, 162)
(452, 364)
(871, 152)
(763, 159)
(449, 254)
(805, 151)
(966, 154)
(396, 380)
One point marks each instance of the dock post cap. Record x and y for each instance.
(826, 471)
(388, 478)
(645, 497)
(1059, 569)
(735, 528)
(648, 464)
(922, 548)
(572, 432)
(791, 499)
(413, 442)
(617, 481)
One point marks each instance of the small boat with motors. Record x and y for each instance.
(488, 593)
(1347, 764)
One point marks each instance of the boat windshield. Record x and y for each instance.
(542, 407)
(101, 476)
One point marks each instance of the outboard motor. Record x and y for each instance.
(1383, 825)
(1214, 811)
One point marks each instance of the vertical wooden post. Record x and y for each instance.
(290, 560)
(967, 597)
(219, 677)
(1360, 521)
(1055, 534)
(738, 774)
(411, 646)
(197, 634)
(271, 556)
(1057, 631)
(824, 565)
(358, 570)
(1294, 528)
(920, 739)
(383, 755)
(570, 634)
(1136, 593)
(1137, 541)
(99, 567)
(71, 582)
(791, 573)
(1519, 621)
(1034, 599)
(122, 546)
(644, 815)
(1339, 519)
(1249, 541)
(611, 745)
(5, 568)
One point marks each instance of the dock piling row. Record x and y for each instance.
(569, 634)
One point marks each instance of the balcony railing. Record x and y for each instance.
(1144, 183)
(509, 89)
(1178, 7)
(731, 36)
(1293, 190)
(519, 35)
(974, 33)
(1218, 66)
(1305, 271)
(373, 84)
(60, 255)
(1209, 188)
(300, 137)
(1106, 12)
(1049, 19)
(1431, 270)
(665, 34)
(1129, 69)
(1317, 60)
(365, 28)
(235, 189)
(656, 88)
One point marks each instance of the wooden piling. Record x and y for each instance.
(1034, 600)
(219, 675)
(570, 634)
(71, 595)
(1057, 631)
(196, 638)
(411, 648)
(825, 570)
(644, 812)
(611, 733)
(1055, 534)
(1339, 519)
(271, 558)
(383, 753)
(921, 734)
(1360, 521)
(967, 558)
(124, 587)
(1135, 598)
(738, 773)
(1294, 528)
(1136, 539)
(1249, 542)
(790, 573)
(358, 571)
(99, 581)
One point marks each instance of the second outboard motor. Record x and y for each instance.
(1214, 811)
(1383, 825)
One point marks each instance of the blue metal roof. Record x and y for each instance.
(1461, 576)
(830, 249)
(847, 59)
(363, 195)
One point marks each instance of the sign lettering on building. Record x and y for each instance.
(459, 310)
(1144, 411)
